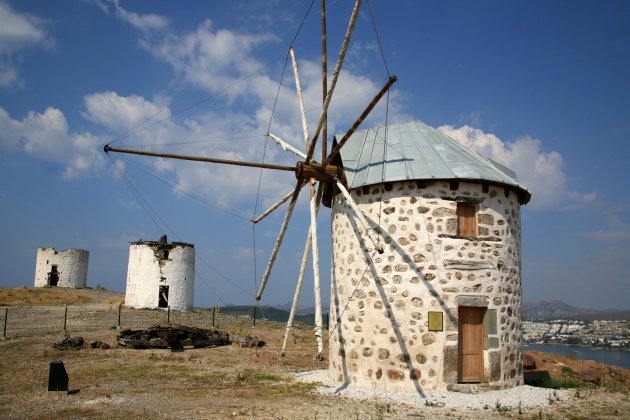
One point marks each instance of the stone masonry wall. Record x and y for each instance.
(380, 302)
(147, 271)
(72, 266)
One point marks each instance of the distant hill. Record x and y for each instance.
(557, 309)
(267, 312)
(543, 310)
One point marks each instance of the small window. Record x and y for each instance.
(466, 219)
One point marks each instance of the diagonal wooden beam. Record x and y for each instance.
(335, 76)
(359, 120)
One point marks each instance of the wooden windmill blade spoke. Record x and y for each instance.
(296, 295)
(108, 149)
(359, 120)
(335, 76)
(298, 89)
(286, 146)
(276, 248)
(324, 78)
(359, 215)
(276, 205)
(316, 283)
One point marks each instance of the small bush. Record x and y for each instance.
(567, 383)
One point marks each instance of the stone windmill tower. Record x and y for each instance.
(442, 305)
(161, 275)
(425, 285)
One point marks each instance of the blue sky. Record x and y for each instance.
(541, 86)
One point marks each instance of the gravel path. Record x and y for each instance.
(525, 396)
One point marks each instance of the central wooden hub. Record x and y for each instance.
(317, 171)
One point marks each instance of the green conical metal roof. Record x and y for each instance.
(416, 151)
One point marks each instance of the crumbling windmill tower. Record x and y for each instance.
(161, 275)
(67, 268)
(425, 289)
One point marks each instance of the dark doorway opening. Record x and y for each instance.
(470, 344)
(53, 276)
(163, 302)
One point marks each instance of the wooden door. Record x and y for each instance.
(470, 344)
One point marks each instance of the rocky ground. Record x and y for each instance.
(231, 381)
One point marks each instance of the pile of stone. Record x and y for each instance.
(248, 341)
(69, 343)
(175, 337)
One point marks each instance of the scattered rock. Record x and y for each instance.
(99, 345)
(590, 376)
(69, 343)
(528, 361)
(248, 341)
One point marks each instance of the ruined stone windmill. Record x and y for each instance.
(425, 287)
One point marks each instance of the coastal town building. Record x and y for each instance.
(160, 275)
(67, 268)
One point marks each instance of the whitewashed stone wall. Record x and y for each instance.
(380, 302)
(147, 270)
(72, 266)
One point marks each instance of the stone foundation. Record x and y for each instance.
(380, 303)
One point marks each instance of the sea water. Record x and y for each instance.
(610, 357)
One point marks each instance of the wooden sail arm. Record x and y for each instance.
(335, 75)
(359, 120)
(107, 148)
(302, 170)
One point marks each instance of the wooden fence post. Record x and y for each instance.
(119, 309)
(6, 314)
(65, 319)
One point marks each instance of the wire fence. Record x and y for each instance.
(33, 320)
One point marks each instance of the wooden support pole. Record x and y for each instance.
(108, 149)
(168, 314)
(119, 311)
(335, 76)
(324, 81)
(213, 310)
(6, 315)
(65, 319)
(360, 216)
(359, 120)
(276, 248)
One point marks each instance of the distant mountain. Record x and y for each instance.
(301, 310)
(557, 309)
(267, 312)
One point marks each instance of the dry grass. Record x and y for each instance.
(221, 382)
(52, 296)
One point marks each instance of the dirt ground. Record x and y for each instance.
(222, 382)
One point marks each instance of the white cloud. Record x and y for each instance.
(210, 59)
(222, 62)
(123, 113)
(46, 136)
(18, 32)
(541, 172)
(145, 23)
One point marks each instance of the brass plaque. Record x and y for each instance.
(436, 321)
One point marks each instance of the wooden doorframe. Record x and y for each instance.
(470, 344)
